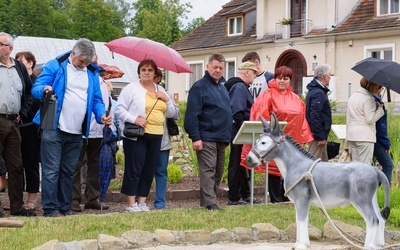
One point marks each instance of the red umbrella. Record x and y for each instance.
(139, 49)
(111, 71)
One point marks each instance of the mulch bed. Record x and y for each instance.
(187, 183)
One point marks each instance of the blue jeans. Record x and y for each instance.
(161, 176)
(59, 156)
(384, 159)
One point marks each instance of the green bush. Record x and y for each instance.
(175, 173)
(120, 157)
(186, 140)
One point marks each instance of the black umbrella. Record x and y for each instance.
(106, 163)
(383, 72)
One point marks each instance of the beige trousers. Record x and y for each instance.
(361, 151)
(317, 151)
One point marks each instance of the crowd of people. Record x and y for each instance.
(69, 149)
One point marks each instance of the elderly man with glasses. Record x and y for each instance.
(15, 99)
(318, 111)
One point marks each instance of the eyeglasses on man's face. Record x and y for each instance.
(3, 44)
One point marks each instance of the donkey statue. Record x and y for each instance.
(337, 184)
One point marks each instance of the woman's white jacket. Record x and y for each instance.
(131, 104)
(362, 114)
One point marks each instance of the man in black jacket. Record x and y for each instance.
(208, 120)
(15, 99)
(241, 102)
(318, 111)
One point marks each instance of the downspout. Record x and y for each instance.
(336, 12)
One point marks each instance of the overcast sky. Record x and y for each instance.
(201, 8)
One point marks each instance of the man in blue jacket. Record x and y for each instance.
(318, 111)
(208, 121)
(75, 81)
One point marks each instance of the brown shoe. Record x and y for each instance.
(76, 208)
(95, 205)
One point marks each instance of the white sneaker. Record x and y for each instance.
(134, 208)
(143, 207)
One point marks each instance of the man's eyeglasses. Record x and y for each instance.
(3, 44)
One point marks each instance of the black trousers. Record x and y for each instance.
(275, 189)
(30, 149)
(238, 181)
(10, 150)
(141, 157)
(91, 148)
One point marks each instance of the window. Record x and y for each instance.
(384, 51)
(229, 69)
(235, 26)
(388, 7)
(198, 72)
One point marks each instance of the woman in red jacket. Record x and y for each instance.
(288, 107)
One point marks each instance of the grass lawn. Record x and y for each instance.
(38, 231)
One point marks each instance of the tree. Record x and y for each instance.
(193, 25)
(140, 7)
(4, 15)
(159, 20)
(94, 20)
(97, 20)
(120, 14)
(30, 17)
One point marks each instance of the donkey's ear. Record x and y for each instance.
(265, 124)
(275, 124)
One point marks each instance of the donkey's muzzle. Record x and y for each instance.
(252, 161)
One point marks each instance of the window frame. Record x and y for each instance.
(380, 47)
(378, 8)
(189, 84)
(235, 26)
(226, 69)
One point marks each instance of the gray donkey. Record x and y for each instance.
(338, 184)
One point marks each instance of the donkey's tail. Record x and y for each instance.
(386, 188)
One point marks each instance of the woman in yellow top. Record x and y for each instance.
(146, 104)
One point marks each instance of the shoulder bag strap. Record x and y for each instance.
(151, 108)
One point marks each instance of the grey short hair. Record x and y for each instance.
(10, 39)
(321, 70)
(84, 47)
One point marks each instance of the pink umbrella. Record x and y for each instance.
(139, 49)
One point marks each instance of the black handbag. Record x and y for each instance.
(172, 127)
(133, 130)
(332, 149)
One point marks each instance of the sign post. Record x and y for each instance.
(248, 134)
(340, 132)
